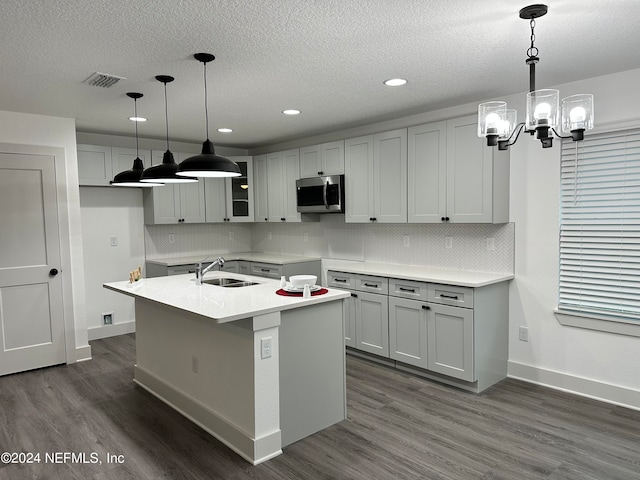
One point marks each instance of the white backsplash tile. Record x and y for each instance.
(332, 238)
(196, 239)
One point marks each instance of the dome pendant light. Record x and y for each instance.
(166, 171)
(131, 178)
(208, 164)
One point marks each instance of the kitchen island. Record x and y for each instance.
(257, 370)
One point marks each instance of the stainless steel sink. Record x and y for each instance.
(228, 282)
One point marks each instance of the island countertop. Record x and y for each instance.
(221, 304)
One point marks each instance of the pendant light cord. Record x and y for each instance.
(135, 114)
(206, 101)
(166, 113)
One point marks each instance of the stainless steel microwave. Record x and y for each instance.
(320, 194)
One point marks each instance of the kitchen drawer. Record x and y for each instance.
(266, 270)
(182, 269)
(408, 289)
(366, 283)
(341, 280)
(450, 295)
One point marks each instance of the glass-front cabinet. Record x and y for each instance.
(231, 199)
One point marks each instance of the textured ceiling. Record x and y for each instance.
(327, 58)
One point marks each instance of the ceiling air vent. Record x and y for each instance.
(103, 80)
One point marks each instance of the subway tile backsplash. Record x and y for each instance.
(413, 244)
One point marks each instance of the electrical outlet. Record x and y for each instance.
(524, 334)
(114, 240)
(448, 242)
(107, 318)
(265, 347)
(172, 238)
(406, 240)
(195, 364)
(231, 235)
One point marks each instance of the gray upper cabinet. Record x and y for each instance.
(231, 199)
(427, 173)
(178, 203)
(97, 165)
(260, 182)
(283, 169)
(94, 165)
(454, 177)
(376, 178)
(324, 159)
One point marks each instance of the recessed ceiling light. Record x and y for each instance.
(137, 119)
(395, 82)
(291, 112)
(225, 130)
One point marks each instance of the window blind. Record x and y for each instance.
(600, 225)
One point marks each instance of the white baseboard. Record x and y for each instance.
(83, 353)
(254, 450)
(604, 392)
(106, 331)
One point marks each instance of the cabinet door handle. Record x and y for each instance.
(341, 280)
(265, 270)
(354, 295)
(320, 173)
(282, 219)
(369, 285)
(411, 290)
(426, 307)
(452, 297)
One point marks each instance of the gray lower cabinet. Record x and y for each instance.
(408, 331)
(457, 335)
(450, 341)
(245, 267)
(372, 323)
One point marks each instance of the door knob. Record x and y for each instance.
(53, 272)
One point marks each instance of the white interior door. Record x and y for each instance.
(31, 309)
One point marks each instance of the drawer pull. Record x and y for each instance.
(370, 285)
(452, 297)
(341, 280)
(265, 270)
(403, 289)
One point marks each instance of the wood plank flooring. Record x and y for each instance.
(399, 427)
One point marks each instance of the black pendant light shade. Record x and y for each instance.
(165, 172)
(131, 178)
(208, 164)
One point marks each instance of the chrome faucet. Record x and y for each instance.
(200, 272)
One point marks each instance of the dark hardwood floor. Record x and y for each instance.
(399, 427)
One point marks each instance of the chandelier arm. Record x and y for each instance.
(558, 135)
(518, 129)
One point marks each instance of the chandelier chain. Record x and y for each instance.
(532, 51)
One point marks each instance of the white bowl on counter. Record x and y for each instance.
(299, 281)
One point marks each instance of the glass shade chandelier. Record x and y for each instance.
(545, 112)
(131, 178)
(208, 164)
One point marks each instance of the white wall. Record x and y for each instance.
(108, 212)
(40, 130)
(598, 364)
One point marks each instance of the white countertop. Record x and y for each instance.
(275, 258)
(446, 276)
(222, 304)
